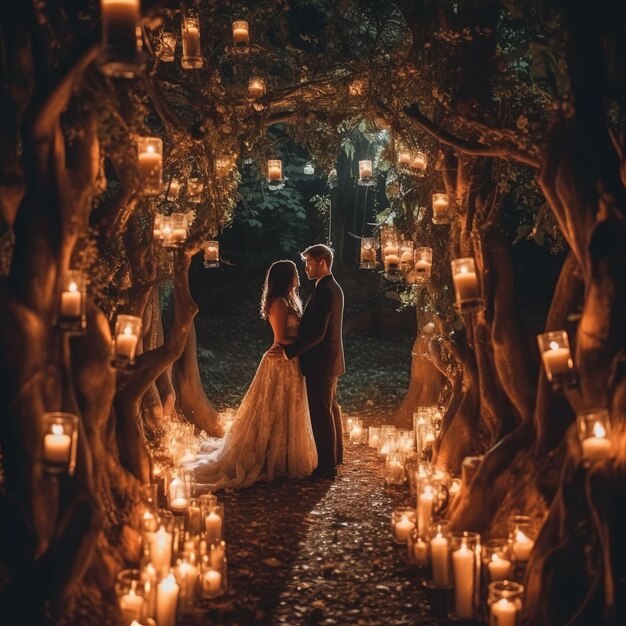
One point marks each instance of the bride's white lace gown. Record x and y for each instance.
(271, 435)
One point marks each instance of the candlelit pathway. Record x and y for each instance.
(320, 552)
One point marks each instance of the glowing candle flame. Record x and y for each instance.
(57, 429)
(554, 345)
(72, 287)
(599, 430)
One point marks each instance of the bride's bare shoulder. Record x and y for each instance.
(278, 305)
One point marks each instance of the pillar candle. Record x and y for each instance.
(439, 557)
(131, 605)
(420, 550)
(167, 599)
(119, 21)
(596, 448)
(211, 583)
(499, 568)
(125, 345)
(213, 526)
(503, 613)
(465, 286)
(161, 549)
(187, 576)
(424, 511)
(217, 555)
(522, 546)
(71, 301)
(403, 527)
(557, 360)
(463, 565)
(57, 445)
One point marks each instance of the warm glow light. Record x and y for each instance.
(520, 537)
(599, 431)
(128, 330)
(57, 429)
(554, 345)
(72, 287)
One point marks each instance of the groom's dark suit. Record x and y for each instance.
(320, 347)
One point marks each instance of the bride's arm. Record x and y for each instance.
(278, 321)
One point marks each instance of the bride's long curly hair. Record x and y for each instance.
(279, 284)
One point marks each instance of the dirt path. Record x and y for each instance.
(320, 552)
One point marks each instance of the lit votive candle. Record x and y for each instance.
(274, 169)
(522, 546)
(150, 164)
(499, 568)
(556, 360)
(71, 301)
(57, 445)
(241, 33)
(131, 604)
(365, 169)
(503, 613)
(211, 582)
(440, 562)
(597, 447)
(465, 279)
(464, 566)
(213, 527)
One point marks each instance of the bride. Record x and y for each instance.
(271, 435)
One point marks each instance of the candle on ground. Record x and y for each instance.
(402, 528)
(424, 510)
(130, 604)
(503, 613)
(211, 582)
(420, 550)
(161, 549)
(522, 546)
(464, 567)
(439, 557)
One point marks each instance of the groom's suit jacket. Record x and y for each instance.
(320, 343)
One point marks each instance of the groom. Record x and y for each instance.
(320, 348)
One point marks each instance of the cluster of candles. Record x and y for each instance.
(411, 159)
(170, 230)
(183, 562)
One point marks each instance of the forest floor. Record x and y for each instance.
(313, 552)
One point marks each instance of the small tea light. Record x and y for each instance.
(241, 34)
(120, 52)
(504, 599)
(365, 169)
(72, 298)
(373, 436)
(274, 170)
(441, 208)
(394, 468)
(390, 245)
(256, 87)
(402, 523)
(126, 336)
(403, 154)
(368, 253)
(556, 357)
(195, 188)
(465, 284)
(522, 543)
(60, 442)
(355, 435)
(212, 254)
(192, 53)
(406, 254)
(150, 165)
(179, 229)
(426, 495)
(419, 161)
(496, 559)
(166, 47)
(594, 428)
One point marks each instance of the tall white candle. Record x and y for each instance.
(503, 613)
(167, 599)
(424, 511)
(420, 550)
(161, 549)
(439, 557)
(464, 568)
(187, 577)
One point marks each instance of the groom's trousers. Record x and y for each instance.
(326, 421)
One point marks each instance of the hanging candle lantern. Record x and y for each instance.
(166, 47)
(357, 88)
(125, 339)
(466, 287)
(557, 358)
(423, 262)
(406, 254)
(241, 35)
(366, 171)
(120, 55)
(162, 230)
(256, 87)
(195, 188)
(59, 442)
(179, 229)
(594, 431)
(441, 208)
(390, 246)
(308, 169)
(72, 298)
(404, 155)
(368, 253)
(212, 254)
(419, 161)
(173, 190)
(150, 165)
(274, 171)
(192, 53)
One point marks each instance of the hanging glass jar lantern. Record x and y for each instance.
(275, 171)
(403, 155)
(441, 208)
(150, 165)
(166, 46)
(241, 35)
(195, 189)
(557, 358)
(366, 173)
(423, 262)
(59, 442)
(125, 339)
(121, 56)
(594, 432)
(192, 52)
(212, 254)
(72, 298)
(390, 247)
(419, 161)
(368, 253)
(466, 288)
(256, 87)
(357, 88)
(173, 190)
(406, 254)
(179, 229)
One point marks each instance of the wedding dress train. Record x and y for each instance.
(271, 435)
